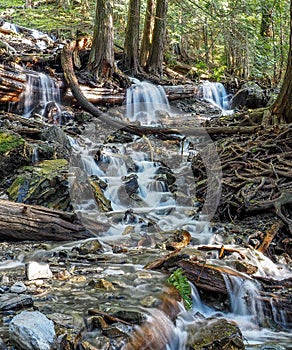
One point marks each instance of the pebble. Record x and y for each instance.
(18, 287)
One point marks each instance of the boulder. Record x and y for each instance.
(12, 153)
(214, 334)
(44, 183)
(250, 95)
(32, 330)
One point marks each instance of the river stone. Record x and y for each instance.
(214, 334)
(18, 287)
(10, 301)
(250, 95)
(35, 270)
(32, 330)
(12, 153)
(2, 345)
(272, 347)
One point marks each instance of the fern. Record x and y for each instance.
(181, 283)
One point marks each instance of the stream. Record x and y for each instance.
(146, 192)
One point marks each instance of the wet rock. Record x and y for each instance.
(250, 95)
(35, 270)
(101, 284)
(11, 301)
(12, 153)
(31, 330)
(56, 137)
(214, 334)
(132, 316)
(103, 203)
(2, 345)
(245, 267)
(117, 329)
(43, 184)
(18, 287)
(92, 246)
(131, 184)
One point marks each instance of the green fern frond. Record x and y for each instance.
(181, 283)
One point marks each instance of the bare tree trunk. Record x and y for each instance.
(130, 62)
(155, 60)
(101, 58)
(282, 107)
(147, 32)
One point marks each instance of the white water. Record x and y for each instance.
(144, 101)
(146, 203)
(215, 93)
(40, 91)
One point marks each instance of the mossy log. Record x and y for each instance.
(20, 222)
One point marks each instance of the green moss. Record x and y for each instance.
(9, 141)
(44, 183)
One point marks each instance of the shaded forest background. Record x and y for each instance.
(209, 39)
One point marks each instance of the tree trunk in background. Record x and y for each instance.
(28, 4)
(101, 58)
(155, 59)
(282, 107)
(147, 32)
(267, 19)
(130, 61)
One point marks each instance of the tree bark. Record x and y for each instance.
(155, 59)
(130, 61)
(147, 33)
(282, 107)
(27, 222)
(101, 58)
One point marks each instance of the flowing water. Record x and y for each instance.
(148, 194)
(144, 101)
(216, 94)
(41, 96)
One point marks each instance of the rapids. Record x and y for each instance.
(149, 188)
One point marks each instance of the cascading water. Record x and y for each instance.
(41, 92)
(215, 93)
(144, 101)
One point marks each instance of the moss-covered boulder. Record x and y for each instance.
(13, 153)
(44, 183)
(214, 334)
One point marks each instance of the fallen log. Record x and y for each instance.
(28, 222)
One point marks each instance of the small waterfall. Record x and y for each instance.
(215, 93)
(41, 94)
(144, 101)
(35, 155)
(244, 297)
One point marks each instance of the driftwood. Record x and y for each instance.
(27, 222)
(100, 95)
(12, 84)
(222, 250)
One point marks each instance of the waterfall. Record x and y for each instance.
(144, 101)
(41, 94)
(215, 93)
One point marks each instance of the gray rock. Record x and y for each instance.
(32, 330)
(10, 301)
(2, 345)
(250, 95)
(18, 287)
(35, 270)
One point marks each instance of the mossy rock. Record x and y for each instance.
(214, 334)
(13, 153)
(45, 183)
(10, 141)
